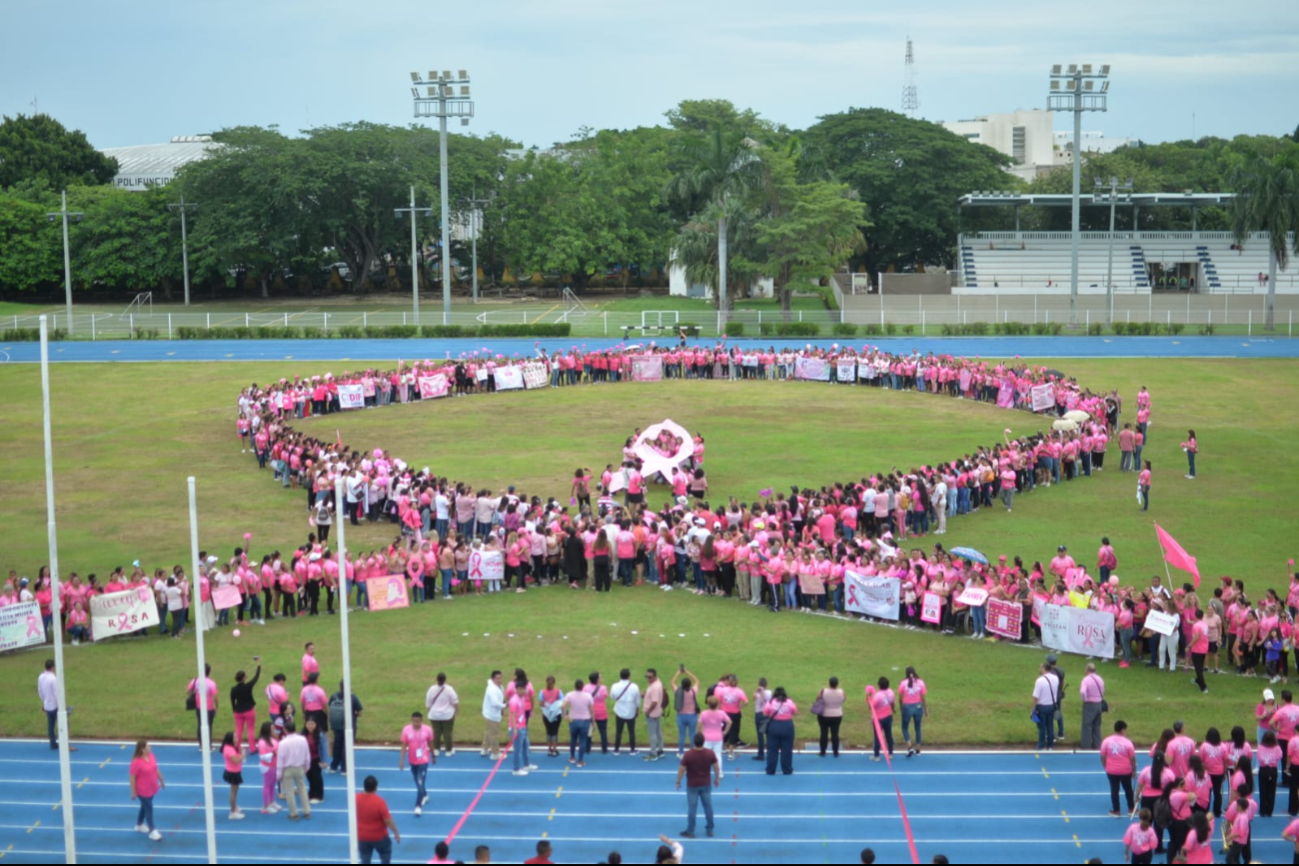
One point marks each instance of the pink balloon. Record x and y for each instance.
(1114, 580)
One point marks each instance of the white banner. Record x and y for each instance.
(509, 378)
(432, 387)
(1043, 397)
(535, 376)
(21, 625)
(118, 613)
(846, 369)
(1161, 623)
(351, 396)
(1077, 630)
(872, 596)
(812, 368)
(973, 596)
(646, 368)
(486, 565)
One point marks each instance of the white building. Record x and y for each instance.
(1092, 142)
(1025, 136)
(146, 165)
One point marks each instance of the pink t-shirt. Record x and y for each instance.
(579, 706)
(881, 702)
(266, 752)
(1119, 754)
(207, 701)
(731, 699)
(912, 693)
(309, 666)
(145, 772)
(711, 723)
(518, 709)
(233, 758)
(416, 743)
(1139, 840)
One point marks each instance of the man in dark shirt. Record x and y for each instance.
(696, 765)
(338, 755)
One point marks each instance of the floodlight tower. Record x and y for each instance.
(910, 101)
(444, 101)
(1100, 195)
(1076, 89)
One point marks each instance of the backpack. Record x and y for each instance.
(1163, 813)
(336, 721)
(322, 514)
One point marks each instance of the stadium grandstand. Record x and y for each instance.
(1038, 262)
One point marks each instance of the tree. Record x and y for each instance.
(31, 249)
(126, 240)
(1267, 200)
(721, 167)
(911, 172)
(38, 147)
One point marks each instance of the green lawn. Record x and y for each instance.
(127, 435)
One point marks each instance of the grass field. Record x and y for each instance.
(127, 435)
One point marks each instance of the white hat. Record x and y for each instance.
(1268, 696)
(699, 521)
(314, 557)
(681, 500)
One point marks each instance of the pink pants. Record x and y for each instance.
(249, 720)
(268, 788)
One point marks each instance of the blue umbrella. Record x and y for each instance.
(969, 553)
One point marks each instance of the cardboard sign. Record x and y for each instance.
(387, 593)
(931, 608)
(1004, 618)
(225, 597)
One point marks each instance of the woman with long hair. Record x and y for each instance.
(780, 711)
(914, 708)
(233, 775)
(146, 781)
(831, 715)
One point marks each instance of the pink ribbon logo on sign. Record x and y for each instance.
(33, 625)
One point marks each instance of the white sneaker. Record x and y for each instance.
(533, 767)
(450, 752)
(418, 811)
(155, 836)
(315, 802)
(236, 816)
(520, 772)
(141, 828)
(274, 808)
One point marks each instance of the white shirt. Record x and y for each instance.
(1046, 691)
(443, 505)
(493, 702)
(47, 686)
(174, 598)
(626, 695)
(442, 702)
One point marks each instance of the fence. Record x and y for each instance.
(921, 314)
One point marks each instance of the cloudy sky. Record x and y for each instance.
(141, 71)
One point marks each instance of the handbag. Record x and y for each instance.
(818, 705)
(191, 700)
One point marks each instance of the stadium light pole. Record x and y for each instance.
(200, 682)
(414, 247)
(448, 96)
(1114, 187)
(60, 690)
(349, 732)
(475, 219)
(184, 240)
(1076, 89)
(75, 216)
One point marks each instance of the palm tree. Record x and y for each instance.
(696, 246)
(1267, 200)
(722, 168)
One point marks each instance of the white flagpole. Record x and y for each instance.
(56, 620)
(200, 683)
(349, 734)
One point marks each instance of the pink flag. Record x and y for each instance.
(1175, 556)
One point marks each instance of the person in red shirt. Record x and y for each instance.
(543, 853)
(373, 821)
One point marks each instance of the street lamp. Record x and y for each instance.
(1114, 187)
(414, 247)
(1077, 89)
(447, 96)
(184, 240)
(75, 216)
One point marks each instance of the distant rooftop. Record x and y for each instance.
(143, 165)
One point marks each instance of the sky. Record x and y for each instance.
(140, 71)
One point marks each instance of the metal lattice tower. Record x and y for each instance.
(910, 101)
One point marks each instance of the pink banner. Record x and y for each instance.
(811, 584)
(817, 369)
(431, 387)
(931, 608)
(387, 593)
(973, 596)
(226, 596)
(965, 380)
(1006, 395)
(1004, 618)
(646, 368)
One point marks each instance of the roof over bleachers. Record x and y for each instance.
(1136, 199)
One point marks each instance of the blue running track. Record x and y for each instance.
(975, 808)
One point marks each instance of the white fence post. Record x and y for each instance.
(1251, 323)
(326, 327)
(365, 323)
(246, 322)
(130, 324)
(922, 333)
(169, 337)
(209, 321)
(1089, 327)
(606, 323)
(92, 331)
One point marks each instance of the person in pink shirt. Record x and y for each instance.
(714, 723)
(880, 701)
(267, 747)
(1270, 757)
(146, 782)
(1240, 815)
(1140, 840)
(1190, 447)
(233, 776)
(915, 708)
(732, 700)
(1119, 758)
(415, 740)
(309, 663)
(780, 712)
(1143, 485)
(1213, 756)
(1199, 844)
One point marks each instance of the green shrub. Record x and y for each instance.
(890, 329)
(144, 334)
(32, 335)
(1119, 328)
(1095, 329)
(349, 332)
(908, 329)
(735, 329)
(1174, 328)
(1047, 329)
(844, 329)
(1206, 330)
(311, 332)
(797, 329)
(871, 330)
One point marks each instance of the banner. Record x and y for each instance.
(509, 378)
(846, 369)
(1076, 630)
(1006, 395)
(226, 596)
(351, 397)
(973, 597)
(646, 368)
(931, 608)
(1004, 618)
(1055, 625)
(811, 584)
(1161, 623)
(21, 625)
(964, 380)
(535, 376)
(119, 613)
(431, 387)
(486, 565)
(387, 593)
(1043, 397)
(812, 368)
(872, 596)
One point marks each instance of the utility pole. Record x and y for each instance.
(184, 240)
(476, 206)
(75, 216)
(414, 246)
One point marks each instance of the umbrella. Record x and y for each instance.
(1055, 373)
(1077, 415)
(1066, 425)
(969, 553)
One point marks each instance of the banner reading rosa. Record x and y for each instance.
(387, 593)
(646, 368)
(846, 369)
(486, 565)
(1077, 630)
(812, 368)
(872, 596)
(1004, 618)
(21, 625)
(431, 387)
(351, 396)
(117, 613)
(534, 376)
(509, 378)
(1043, 397)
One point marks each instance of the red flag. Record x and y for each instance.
(1175, 556)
